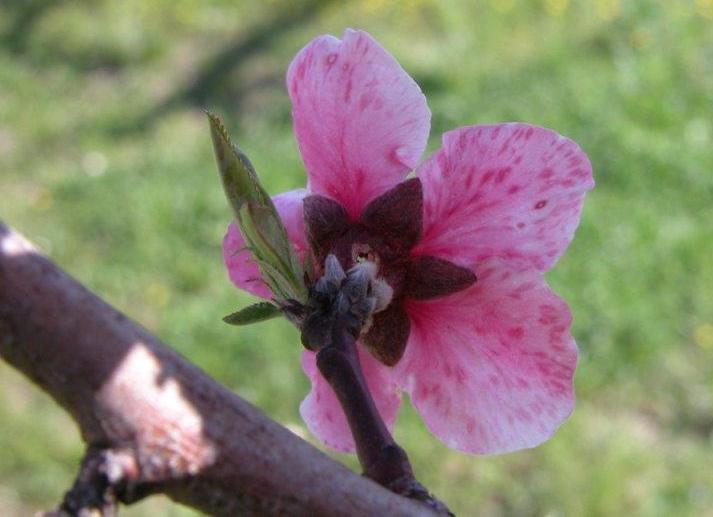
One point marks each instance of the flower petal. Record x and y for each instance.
(322, 412)
(361, 122)
(490, 369)
(513, 191)
(241, 269)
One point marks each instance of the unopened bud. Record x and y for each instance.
(333, 271)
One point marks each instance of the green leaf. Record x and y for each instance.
(240, 180)
(252, 314)
(258, 220)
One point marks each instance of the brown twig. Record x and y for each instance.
(153, 422)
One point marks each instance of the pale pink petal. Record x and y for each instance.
(241, 269)
(490, 369)
(512, 191)
(361, 122)
(323, 414)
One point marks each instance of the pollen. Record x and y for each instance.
(364, 253)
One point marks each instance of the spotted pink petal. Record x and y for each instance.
(241, 269)
(512, 191)
(361, 122)
(490, 369)
(321, 410)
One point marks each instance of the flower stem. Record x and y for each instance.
(382, 459)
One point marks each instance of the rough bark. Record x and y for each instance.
(153, 422)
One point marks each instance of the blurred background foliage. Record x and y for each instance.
(106, 162)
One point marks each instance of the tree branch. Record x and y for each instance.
(153, 422)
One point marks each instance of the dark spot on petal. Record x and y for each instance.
(513, 189)
(470, 426)
(516, 332)
(502, 174)
(523, 415)
(544, 368)
(486, 178)
(348, 91)
(541, 204)
(364, 101)
(470, 175)
(460, 375)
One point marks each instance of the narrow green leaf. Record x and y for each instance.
(252, 314)
(237, 173)
(258, 220)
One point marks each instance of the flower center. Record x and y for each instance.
(384, 235)
(362, 252)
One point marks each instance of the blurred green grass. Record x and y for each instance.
(105, 161)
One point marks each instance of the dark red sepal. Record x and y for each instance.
(387, 337)
(430, 277)
(325, 221)
(397, 215)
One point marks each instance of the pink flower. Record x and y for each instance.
(489, 364)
